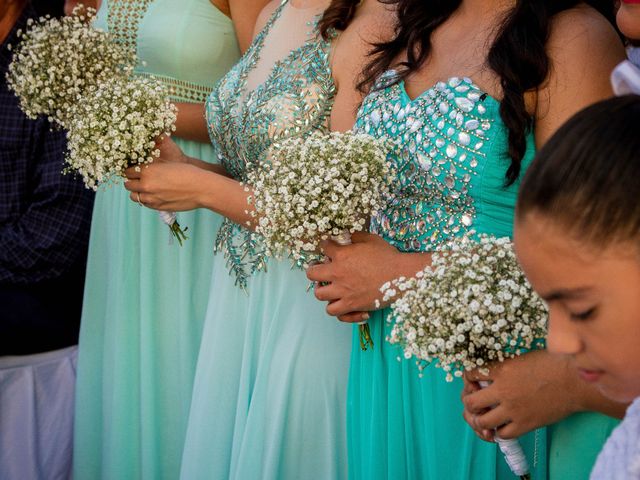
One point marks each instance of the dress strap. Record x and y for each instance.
(258, 42)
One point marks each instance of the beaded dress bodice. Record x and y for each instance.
(261, 101)
(450, 160)
(186, 45)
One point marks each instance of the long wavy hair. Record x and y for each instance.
(518, 55)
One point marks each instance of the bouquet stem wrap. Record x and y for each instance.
(365, 333)
(177, 232)
(512, 451)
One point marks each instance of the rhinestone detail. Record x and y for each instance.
(294, 100)
(440, 140)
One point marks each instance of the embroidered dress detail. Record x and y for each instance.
(124, 17)
(294, 99)
(181, 90)
(620, 457)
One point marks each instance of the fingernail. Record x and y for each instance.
(365, 316)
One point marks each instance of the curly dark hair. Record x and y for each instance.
(518, 54)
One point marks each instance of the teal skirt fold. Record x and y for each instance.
(402, 426)
(143, 312)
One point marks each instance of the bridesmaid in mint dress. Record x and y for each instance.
(454, 140)
(270, 390)
(269, 399)
(145, 299)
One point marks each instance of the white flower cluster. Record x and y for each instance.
(471, 307)
(116, 128)
(316, 187)
(60, 62)
(81, 79)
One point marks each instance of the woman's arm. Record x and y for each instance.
(529, 392)
(175, 182)
(249, 17)
(178, 186)
(191, 123)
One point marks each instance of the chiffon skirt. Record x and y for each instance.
(269, 399)
(402, 426)
(144, 307)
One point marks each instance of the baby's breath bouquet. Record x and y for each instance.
(81, 79)
(319, 187)
(116, 128)
(472, 307)
(60, 62)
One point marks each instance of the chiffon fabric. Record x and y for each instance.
(145, 297)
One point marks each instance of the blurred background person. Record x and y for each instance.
(44, 230)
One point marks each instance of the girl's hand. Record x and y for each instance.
(356, 272)
(171, 186)
(528, 392)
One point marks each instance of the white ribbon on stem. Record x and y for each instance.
(169, 218)
(512, 450)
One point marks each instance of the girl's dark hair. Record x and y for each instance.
(518, 55)
(587, 176)
(337, 16)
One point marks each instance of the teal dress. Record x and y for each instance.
(269, 399)
(145, 299)
(451, 162)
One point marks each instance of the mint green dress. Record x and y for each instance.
(269, 400)
(145, 299)
(451, 162)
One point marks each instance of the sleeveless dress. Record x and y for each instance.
(145, 299)
(451, 162)
(269, 399)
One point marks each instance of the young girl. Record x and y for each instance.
(577, 237)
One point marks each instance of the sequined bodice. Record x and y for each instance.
(294, 99)
(450, 157)
(187, 45)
